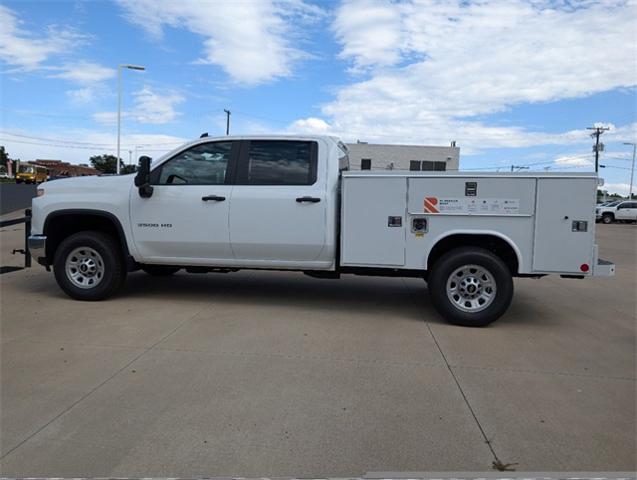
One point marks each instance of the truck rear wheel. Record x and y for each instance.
(471, 287)
(88, 266)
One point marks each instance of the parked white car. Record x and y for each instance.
(621, 211)
(626, 212)
(289, 203)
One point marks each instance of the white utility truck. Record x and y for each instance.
(290, 203)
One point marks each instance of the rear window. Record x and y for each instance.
(281, 162)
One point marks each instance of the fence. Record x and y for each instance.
(14, 197)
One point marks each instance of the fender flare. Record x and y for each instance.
(91, 212)
(492, 233)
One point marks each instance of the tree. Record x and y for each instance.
(4, 156)
(128, 169)
(5, 160)
(106, 163)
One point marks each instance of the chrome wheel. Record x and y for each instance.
(84, 267)
(471, 288)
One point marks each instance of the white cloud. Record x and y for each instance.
(107, 118)
(621, 188)
(250, 41)
(574, 161)
(149, 106)
(435, 70)
(153, 107)
(85, 73)
(81, 95)
(23, 50)
(310, 125)
(58, 145)
(90, 76)
(370, 32)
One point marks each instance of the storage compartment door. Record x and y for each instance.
(373, 221)
(560, 202)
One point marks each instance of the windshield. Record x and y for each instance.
(25, 169)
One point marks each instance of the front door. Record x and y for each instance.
(626, 211)
(185, 221)
(278, 207)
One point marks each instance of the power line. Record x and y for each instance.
(89, 144)
(56, 140)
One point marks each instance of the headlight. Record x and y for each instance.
(40, 192)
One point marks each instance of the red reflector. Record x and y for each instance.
(584, 267)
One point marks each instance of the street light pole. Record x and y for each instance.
(119, 105)
(632, 170)
(228, 112)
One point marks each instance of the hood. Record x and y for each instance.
(87, 183)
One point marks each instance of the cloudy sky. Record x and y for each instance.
(512, 82)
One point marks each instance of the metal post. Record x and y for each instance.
(227, 121)
(632, 170)
(119, 113)
(27, 233)
(119, 105)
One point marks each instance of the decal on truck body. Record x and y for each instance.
(501, 206)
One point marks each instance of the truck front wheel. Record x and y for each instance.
(607, 218)
(87, 266)
(471, 287)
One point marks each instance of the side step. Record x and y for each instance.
(604, 268)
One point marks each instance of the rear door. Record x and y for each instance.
(278, 205)
(563, 242)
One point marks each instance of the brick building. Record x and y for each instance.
(58, 168)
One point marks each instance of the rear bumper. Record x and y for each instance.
(604, 268)
(37, 247)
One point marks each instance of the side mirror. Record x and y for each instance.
(142, 179)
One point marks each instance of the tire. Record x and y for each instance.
(607, 218)
(88, 266)
(160, 270)
(470, 286)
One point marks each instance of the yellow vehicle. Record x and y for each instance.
(28, 173)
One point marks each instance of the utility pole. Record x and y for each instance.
(227, 121)
(632, 170)
(596, 148)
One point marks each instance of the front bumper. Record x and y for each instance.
(37, 247)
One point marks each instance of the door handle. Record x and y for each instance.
(215, 198)
(308, 199)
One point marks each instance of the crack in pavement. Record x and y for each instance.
(497, 464)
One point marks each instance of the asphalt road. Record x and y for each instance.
(278, 374)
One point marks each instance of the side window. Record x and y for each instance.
(281, 162)
(204, 164)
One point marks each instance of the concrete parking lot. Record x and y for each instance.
(278, 374)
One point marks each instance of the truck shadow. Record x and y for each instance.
(389, 298)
